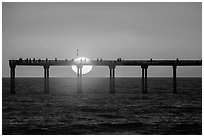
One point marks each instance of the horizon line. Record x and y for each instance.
(103, 77)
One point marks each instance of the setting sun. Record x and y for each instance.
(85, 68)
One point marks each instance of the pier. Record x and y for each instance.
(112, 64)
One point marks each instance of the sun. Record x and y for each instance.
(85, 68)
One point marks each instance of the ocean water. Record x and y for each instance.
(95, 111)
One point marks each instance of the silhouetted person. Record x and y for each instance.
(34, 60)
(20, 59)
(46, 60)
(177, 60)
(55, 59)
(119, 59)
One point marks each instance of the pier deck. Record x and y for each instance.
(112, 64)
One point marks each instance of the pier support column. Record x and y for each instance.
(46, 79)
(174, 79)
(79, 79)
(112, 79)
(12, 78)
(144, 78)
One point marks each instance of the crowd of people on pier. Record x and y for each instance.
(29, 60)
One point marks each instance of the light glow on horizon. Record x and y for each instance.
(85, 68)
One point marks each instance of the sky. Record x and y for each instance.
(102, 30)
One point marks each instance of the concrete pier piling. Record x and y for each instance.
(143, 82)
(79, 78)
(174, 79)
(46, 78)
(12, 78)
(112, 78)
(144, 78)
